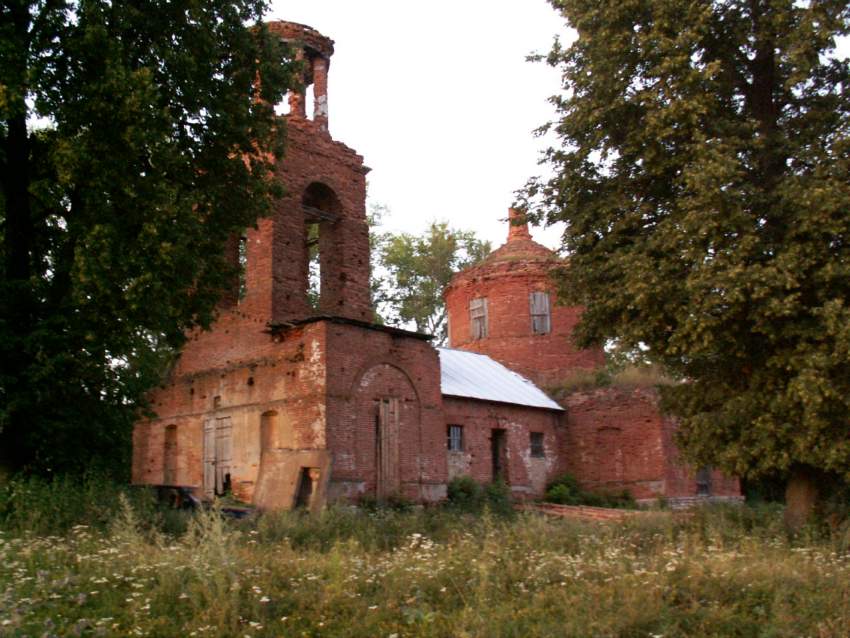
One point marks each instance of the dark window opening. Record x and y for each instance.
(455, 438)
(498, 453)
(703, 478)
(537, 448)
(305, 488)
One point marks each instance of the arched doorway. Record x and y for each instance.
(387, 426)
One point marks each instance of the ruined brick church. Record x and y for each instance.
(290, 400)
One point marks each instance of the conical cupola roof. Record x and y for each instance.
(520, 246)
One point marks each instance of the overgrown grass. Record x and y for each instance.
(43, 507)
(424, 572)
(627, 377)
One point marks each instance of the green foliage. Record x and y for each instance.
(415, 271)
(465, 494)
(395, 502)
(134, 141)
(498, 499)
(566, 490)
(54, 506)
(702, 172)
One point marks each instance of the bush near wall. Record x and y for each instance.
(566, 490)
(465, 494)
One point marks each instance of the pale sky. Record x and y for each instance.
(439, 100)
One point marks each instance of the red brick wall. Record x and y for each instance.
(545, 359)
(322, 379)
(277, 252)
(288, 378)
(680, 479)
(368, 365)
(526, 475)
(618, 439)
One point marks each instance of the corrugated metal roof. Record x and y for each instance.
(477, 376)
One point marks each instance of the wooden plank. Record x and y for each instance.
(313, 215)
(387, 483)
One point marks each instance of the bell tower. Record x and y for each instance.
(311, 257)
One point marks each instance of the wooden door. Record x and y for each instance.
(223, 454)
(218, 455)
(209, 458)
(386, 448)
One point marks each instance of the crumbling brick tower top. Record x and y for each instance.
(505, 307)
(322, 216)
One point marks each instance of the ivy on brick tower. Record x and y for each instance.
(703, 173)
(135, 141)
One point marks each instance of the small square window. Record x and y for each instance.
(455, 441)
(537, 449)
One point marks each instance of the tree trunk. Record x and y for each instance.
(802, 494)
(16, 298)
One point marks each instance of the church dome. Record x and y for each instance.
(505, 307)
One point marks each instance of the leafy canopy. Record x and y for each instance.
(704, 174)
(413, 271)
(134, 140)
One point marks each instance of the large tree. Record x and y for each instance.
(704, 174)
(413, 271)
(135, 139)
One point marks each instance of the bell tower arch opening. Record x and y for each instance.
(322, 210)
